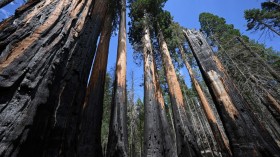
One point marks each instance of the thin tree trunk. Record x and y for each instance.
(152, 129)
(132, 119)
(44, 70)
(246, 135)
(202, 124)
(268, 67)
(169, 144)
(3, 3)
(194, 123)
(186, 145)
(118, 138)
(95, 94)
(221, 139)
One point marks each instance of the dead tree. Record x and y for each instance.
(212, 120)
(246, 135)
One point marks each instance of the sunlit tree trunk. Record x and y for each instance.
(95, 90)
(221, 139)
(186, 144)
(118, 138)
(46, 50)
(246, 135)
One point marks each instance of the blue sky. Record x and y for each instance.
(186, 12)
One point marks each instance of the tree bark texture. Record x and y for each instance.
(246, 135)
(118, 138)
(152, 130)
(169, 145)
(186, 144)
(220, 138)
(3, 3)
(46, 50)
(93, 106)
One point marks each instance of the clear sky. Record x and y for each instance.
(186, 12)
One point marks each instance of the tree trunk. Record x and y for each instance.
(195, 126)
(92, 118)
(46, 51)
(152, 129)
(202, 125)
(132, 119)
(221, 139)
(246, 135)
(186, 145)
(3, 3)
(118, 138)
(169, 145)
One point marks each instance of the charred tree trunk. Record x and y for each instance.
(118, 138)
(152, 129)
(246, 135)
(221, 139)
(46, 51)
(95, 93)
(3, 3)
(186, 144)
(169, 145)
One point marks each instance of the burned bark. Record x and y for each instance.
(93, 104)
(46, 52)
(186, 145)
(152, 129)
(220, 138)
(246, 135)
(118, 138)
(169, 145)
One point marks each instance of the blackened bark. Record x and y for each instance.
(246, 135)
(46, 52)
(93, 104)
(212, 120)
(118, 138)
(186, 144)
(169, 145)
(152, 129)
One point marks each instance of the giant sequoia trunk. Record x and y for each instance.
(186, 144)
(152, 129)
(46, 50)
(95, 92)
(221, 139)
(246, 136)
(118, 138)
(169, 145)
